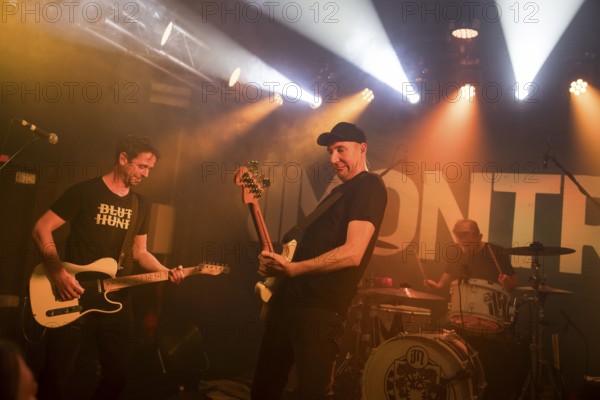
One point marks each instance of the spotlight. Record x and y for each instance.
(521, 93)
(468, 91)
(414, 98)
(277, 99)
(316, 103)
(465, 33)
(578, 87)
(411, 92)
(530, 44)
(367, 95)
(235, 76)
(465, 29)
(166, 33)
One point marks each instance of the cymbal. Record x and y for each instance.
(406, 293)
(538, 249)
(544, 289)
(385, 245)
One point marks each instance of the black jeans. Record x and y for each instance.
(305, 337)
(110, 336)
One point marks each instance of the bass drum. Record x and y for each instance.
(428, 366)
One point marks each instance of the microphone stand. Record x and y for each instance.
(23, 147)
(572, 178)
(569, 322)
(597, 204)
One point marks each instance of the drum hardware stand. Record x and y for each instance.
(348, 372)
(361, 326)
(534, 382)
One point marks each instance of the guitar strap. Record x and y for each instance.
(126, 266)
(297, 231)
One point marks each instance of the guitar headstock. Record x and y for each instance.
(252, 182)
(211, 269)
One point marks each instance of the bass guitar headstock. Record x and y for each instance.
(253, 183)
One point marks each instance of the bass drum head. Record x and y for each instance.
(427, 366)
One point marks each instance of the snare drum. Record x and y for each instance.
(432, 365)
(478, 305)
(389, 320)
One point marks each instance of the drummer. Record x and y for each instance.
(504, 362)
(477, 259)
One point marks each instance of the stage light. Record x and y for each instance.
(521, 93)
(465, 33)
(531, 31)
(467, 92)
(464, 28)
(166, 34)
(414, 98)
(235, 76)
(578, 87)
(277, 99)
(355, 34)
(316, 103)
(367, 95)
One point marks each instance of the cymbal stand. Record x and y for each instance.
(361, 326)
(348, 372)
(535, 380)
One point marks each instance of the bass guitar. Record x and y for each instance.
(98, 279)
(253, 186)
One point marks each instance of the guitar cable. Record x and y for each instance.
(30, 322)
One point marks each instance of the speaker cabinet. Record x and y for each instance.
(162, 227)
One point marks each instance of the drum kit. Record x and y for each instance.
(398, 353)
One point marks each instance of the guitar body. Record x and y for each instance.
(51, 312)
(98, 279)
(267, 287)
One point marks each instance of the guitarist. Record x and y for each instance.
(99, 212)
(307, 312)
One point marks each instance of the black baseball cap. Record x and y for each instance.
(342, 132)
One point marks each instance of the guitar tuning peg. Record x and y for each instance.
(253, 166)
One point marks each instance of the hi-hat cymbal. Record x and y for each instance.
(406, 293)
(538, 249)
(544, 289)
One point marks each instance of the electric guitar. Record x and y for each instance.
(98, 279)
(253, 186)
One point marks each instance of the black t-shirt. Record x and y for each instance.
(481, 264)
(364, 199)
(99, 220)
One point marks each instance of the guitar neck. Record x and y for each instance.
(261, 228)
(113, 284)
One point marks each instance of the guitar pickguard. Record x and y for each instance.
(94, 296)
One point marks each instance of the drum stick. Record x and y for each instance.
(494, 258)
(420, 264)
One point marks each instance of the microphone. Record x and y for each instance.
(50, 137)
(546, 157)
